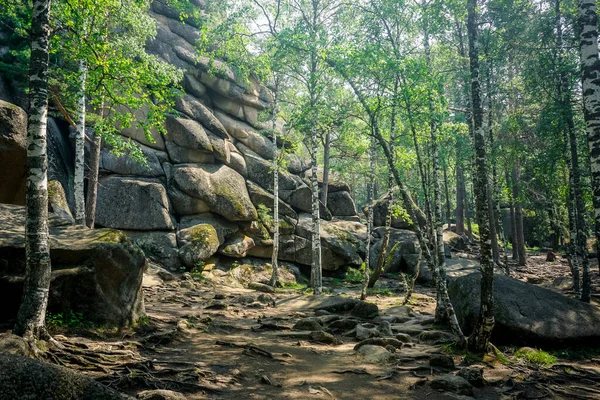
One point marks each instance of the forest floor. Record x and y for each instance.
(209, 340)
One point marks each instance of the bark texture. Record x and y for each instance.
(92, 195)
(31, 317)
(80, 149)
(479, 339)
(275, 274)
(590, 81)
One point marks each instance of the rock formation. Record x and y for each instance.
(213, 168)
(95, 272)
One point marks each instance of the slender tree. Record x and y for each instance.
(590, 81)
(275, 274)
(478, 341)
(32, 313)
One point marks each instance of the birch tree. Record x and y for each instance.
(32, 312)
(590, 75)
(479, 339)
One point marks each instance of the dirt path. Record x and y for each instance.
(209, 339)
(218, 323)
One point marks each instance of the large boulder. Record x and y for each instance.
(136, 133)
(344, 240)
(27, 379)
(184, 155)
(193, 108)
(184, 204)
(95, 272)
(402, 247)
(341, 204)
(158, 246)
(125, 165)
(527, 314)
(236, 109)
(259, 196)
(236, 160)
(13, 153)
(220, 187)
(135, 204)
(301, 199)
(380, 210)
(261, 172)
(237, 246)
(188, 134)
(225, 229)
(196, 244)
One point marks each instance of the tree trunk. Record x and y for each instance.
(468, 216)
(590, 81)
(92, 195)
(519, 233)
(275, 273)
(326, 152)
(513, 231)
(367, 281)
(435, 158)
(460, 199)
(78, 185)
(492, 195)
(564, 94)
(479, 339)
(32, 312)
(379, 267)
(448, 212)
(414, 213)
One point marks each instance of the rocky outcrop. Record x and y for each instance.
(95, 272)
(210, 166)
(526, 314)
(13, 153)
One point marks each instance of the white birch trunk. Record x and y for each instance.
(80, 149)
(372, 156)
(32, 313)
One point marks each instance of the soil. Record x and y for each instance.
(211, 340)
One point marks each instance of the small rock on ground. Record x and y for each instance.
(452, 383)
(473, 375)
(375, 354)
(442, 361)
(160, 395)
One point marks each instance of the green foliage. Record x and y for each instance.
(67, 320)
(535, 357)
(354, 275)
(265, 215)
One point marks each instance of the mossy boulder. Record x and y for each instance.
(97, 273)
(237, 246)
(220, 187)
(197, 244)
